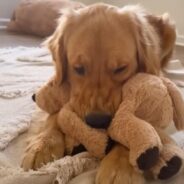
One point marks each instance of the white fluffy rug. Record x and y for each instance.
(22, 71)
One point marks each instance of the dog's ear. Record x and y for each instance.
(55, 43)
(147, 43)
(155, 37)
(165, 28)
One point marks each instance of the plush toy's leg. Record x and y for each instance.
(139, 136)
(171, 158)
(94, 140)
(115, 168)
(45, 147)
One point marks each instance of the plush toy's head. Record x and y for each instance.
(51, 97)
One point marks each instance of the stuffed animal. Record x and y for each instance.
(51, 98)
(149, 105)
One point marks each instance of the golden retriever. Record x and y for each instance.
(95, 50)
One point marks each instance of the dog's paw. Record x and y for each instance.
(116, 169)
(44, 148)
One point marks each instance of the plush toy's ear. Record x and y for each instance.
(55, 43)
(165, 28)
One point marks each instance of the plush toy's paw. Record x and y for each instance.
(78, 149)
(110, 145)
(169, 164)
(147, 159)
(116, 169)
(171, 168)
(98, 120)
(145, 151)
(102, 147)
(43, 149)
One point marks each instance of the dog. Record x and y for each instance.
(95, 51)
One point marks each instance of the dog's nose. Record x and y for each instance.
(98, 120)
(34, 97)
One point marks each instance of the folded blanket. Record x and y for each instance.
(61, 171)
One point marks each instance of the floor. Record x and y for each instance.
(179, 53)
(10, 39)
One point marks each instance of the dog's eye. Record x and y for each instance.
(79, 70)
(119, 69)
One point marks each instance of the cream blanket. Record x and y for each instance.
(62, 171)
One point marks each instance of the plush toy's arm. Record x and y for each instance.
(136, 134)
(95, 141)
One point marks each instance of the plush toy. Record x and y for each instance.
(51, 98)
(149, 105)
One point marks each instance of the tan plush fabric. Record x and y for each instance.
(39, 17)
(146, 98)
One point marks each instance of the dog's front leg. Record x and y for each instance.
(94, 140)
(116, 169)
(46, 146)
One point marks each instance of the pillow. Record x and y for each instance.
(38, 17)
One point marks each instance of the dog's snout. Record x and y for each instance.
(34, 97)
(98, 120)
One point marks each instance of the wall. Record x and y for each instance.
(6, 7)
(6, 11)
(173, 7)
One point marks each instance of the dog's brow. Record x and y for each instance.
(79, 59)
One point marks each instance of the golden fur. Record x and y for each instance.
(102, 40)
(96, 50)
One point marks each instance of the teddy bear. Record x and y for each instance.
(149, 105)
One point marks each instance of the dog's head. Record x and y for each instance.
(96, 49)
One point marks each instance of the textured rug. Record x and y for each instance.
(22, 71)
